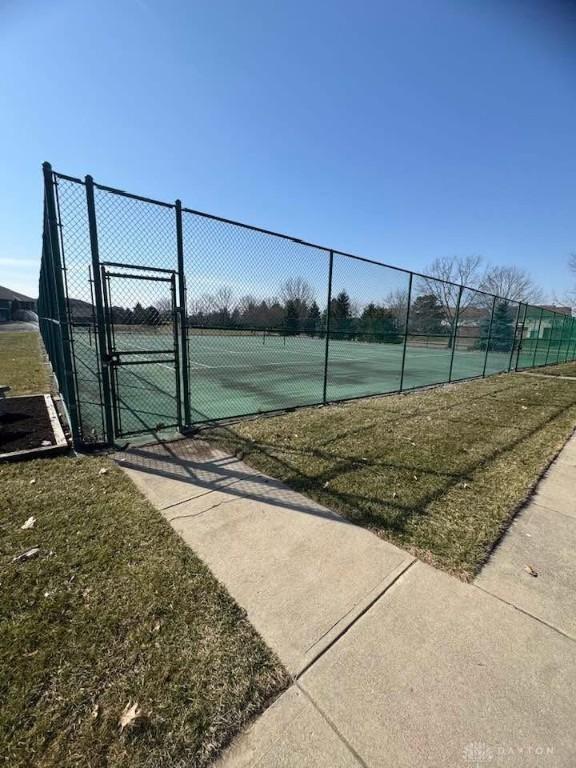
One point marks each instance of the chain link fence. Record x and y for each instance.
(157, 317)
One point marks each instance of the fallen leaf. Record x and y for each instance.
(415, 477)
(104, 471)
(95, 711)
(156, 627)
(326, 484)
(28, 555)
(33, 481)
(28, 524)
(130, 715)
(46, 443)
(531, 570)
(394, 495)
(524, 407)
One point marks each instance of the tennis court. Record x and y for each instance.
(236, 374)
(159, 316)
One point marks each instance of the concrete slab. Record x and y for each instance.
(170, 473)
(546, 541)
(557, 489)
(291, 734)
(567, 455)
(438, 673)
(301, 572)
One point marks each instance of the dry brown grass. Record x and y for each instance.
(439, 472)
(116, 608)
(22, 364)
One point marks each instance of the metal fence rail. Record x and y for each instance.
(157, 316)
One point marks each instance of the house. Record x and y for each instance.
(539, 324)
(12, 302)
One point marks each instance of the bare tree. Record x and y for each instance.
(572, 266)
(463, 270)
(397, 302)
(450, 273)
(511, 283)
(298, 294)
(224, 299)
(298, 290)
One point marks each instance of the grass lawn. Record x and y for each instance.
(564, 369)
(114, 609)
(439, 472)
(21, 364)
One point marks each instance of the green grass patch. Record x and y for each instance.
(22, 366)
(114, 609)
(438, 472)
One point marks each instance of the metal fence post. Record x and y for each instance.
(572, 340)
(489, 338)
(183, 315)
(328, 311)
(101, 327)
(53, 239)
(514, 339)
(455, 331)
(537, 339)
(561, 340)
(407, 321)
(550, 337)
(521, 335)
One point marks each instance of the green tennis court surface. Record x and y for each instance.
(232, 375)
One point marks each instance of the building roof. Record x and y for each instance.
(553, 308)
(7, 294)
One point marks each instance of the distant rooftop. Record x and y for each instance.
(553, 308)
(7, 294)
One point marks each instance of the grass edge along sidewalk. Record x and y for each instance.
(440, 473)
(114, 610)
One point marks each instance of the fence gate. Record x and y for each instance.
(141, 347)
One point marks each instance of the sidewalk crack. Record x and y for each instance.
(526, 613)
(333, 727)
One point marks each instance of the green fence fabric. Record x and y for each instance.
(155, 316)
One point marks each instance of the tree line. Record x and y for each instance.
(295, 311)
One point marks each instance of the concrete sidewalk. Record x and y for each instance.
(394, 663)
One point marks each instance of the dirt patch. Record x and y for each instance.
(24, 424)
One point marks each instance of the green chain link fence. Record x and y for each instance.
(158, 317)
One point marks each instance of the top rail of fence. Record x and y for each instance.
(273, 233)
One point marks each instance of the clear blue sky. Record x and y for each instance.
(400, 130)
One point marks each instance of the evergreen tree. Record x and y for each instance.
(379, 324)
(313, 320)
(139, 317)
(291, 317)
(427, 317)
(341, 315)
(502, 329)
(152, 316)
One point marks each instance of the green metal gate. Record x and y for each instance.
(141, 348)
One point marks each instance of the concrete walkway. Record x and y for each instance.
(394, 663)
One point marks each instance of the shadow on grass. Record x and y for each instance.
(354, 505)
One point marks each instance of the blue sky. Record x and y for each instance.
(399, 130)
